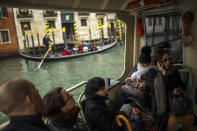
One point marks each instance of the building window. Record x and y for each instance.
(25, 26)
(83, 22)
(3, 12)
(150, 21)
(24, 13)
(102, 21)
(51, 23)
(159, 21)
(169, 30)
(4, 36)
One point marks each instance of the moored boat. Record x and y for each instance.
(61, 57)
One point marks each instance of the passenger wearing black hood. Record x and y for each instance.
(98, 115)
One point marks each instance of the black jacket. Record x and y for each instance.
(66, 126)
(98, 115)
(46, 41)
(26, 123)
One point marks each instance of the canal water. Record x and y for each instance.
(65, 73)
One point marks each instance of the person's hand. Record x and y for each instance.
(128, 81)
(136, 110)
(140, 84)
(177, 91)
(161, 68)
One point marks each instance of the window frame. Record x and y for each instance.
(1, 42)
(85, 22)
(23, 25)
(166, 33)
(2, 12)
(50, 25)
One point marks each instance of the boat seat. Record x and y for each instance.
(81, 103)
(186, 75)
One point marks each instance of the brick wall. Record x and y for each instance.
(7, 49)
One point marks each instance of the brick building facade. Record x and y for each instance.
(8, 40)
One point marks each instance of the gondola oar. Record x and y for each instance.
(50, 48)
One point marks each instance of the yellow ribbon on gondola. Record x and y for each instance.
(125, 120)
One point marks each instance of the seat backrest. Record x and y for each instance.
(186, 76)
(81, 103)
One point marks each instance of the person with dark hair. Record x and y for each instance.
(143, 65)
(99, 116)
(21, 102)
(173, 85)
(137, 79)
(60, 108)
(46, 42)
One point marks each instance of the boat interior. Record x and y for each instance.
(131, 12)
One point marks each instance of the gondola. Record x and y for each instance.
(55, 57)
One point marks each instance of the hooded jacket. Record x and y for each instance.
(98, 115)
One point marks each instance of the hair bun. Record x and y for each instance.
(146, 50)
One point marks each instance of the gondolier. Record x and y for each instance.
(46, 42)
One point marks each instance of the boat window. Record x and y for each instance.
(165, 27)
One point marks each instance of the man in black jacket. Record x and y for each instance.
(46, 42)
(21, 102)
(98, 115)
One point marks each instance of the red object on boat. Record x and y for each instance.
(188, 17)
(140, 30)
(66, 53)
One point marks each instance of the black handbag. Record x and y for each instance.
(133, 91)
(180, 104)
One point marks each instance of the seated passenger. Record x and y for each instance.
(143, 66)
(137, 78)
(60, 108)
(21, 102)
(66, 52)
(80, 48)
(94, 47)
(99, 116)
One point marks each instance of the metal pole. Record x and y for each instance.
(26, 36)
(102, 34)
(110, 33)
(53, 38)
(120, 31)
(123, 34)
(64, 36)
(90, 33)
(32, 38)
(38, 43)
(24, 40)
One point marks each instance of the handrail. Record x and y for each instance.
(76, 86)
(3, 126)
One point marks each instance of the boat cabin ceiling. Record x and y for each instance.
(73, 5)
(128, 11)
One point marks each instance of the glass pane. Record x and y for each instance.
(4, 36)
(176, 51)
(149, 25)
(175, 31)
